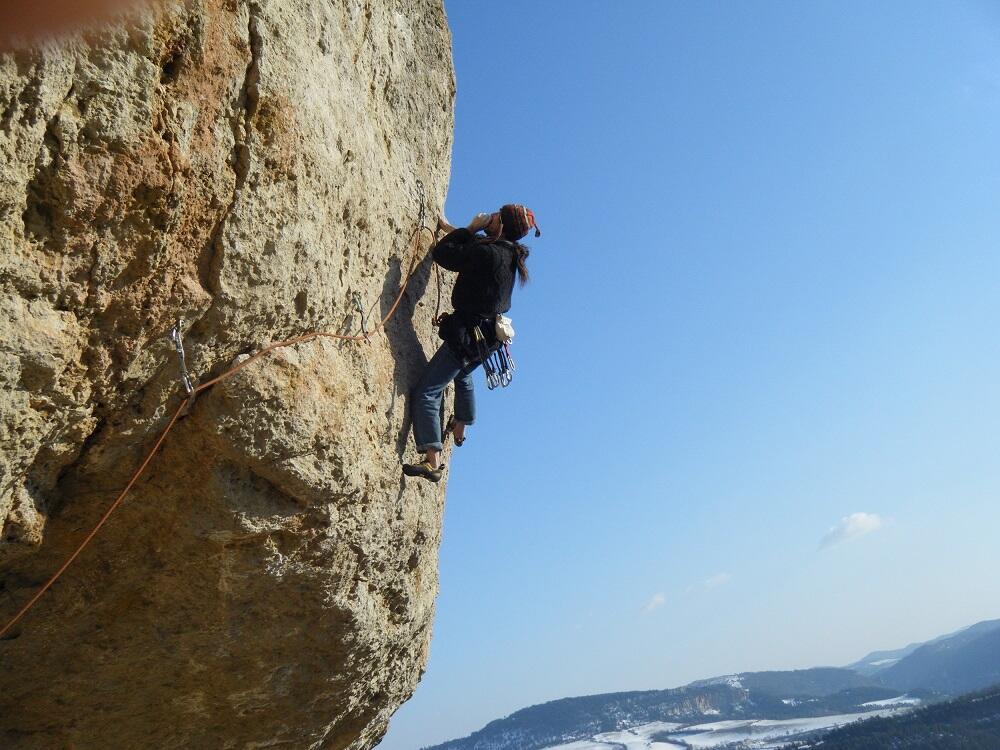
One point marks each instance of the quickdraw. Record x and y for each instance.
(361, 311)
(176, 335)
(499, 365)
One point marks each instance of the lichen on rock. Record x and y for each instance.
(249, 167)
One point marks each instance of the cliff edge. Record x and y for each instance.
(251, 167)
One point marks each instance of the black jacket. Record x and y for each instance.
(485, 272)
(483, 289)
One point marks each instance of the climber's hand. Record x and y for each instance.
(480, 221)
(444, 225)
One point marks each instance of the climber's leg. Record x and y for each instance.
(433, 457)
(426, 403)
(465, 403)
(426, 412)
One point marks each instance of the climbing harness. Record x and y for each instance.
(192, 389)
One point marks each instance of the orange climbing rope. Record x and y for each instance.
(194, 391)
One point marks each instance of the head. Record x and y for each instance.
(515, 222)
(512, 222)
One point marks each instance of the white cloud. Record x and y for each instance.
(719, 579)
(655, 602)
(712, 582)
(850, 527)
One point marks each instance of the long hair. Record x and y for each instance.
(521, 254)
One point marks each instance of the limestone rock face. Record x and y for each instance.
(251, 167)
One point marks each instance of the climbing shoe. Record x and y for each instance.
(423, 469)
(450, 430)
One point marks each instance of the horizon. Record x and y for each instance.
(748, 671)
(752, 423)
(912, 644)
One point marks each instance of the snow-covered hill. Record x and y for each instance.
(757, 734)
(752, 709)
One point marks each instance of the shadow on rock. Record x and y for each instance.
(404, 343)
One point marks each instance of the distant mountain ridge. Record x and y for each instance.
(568, 719)
(881, 660)
(971, 722)
(551, 723)
(968, 661)
(815, 682)
(965, 660)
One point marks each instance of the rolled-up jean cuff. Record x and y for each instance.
(424, 448)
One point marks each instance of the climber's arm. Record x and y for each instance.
(452, 252)
(458, 248)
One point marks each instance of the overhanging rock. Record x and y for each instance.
(248, 167)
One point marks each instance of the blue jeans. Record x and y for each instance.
(425, 410)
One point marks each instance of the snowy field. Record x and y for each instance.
(761, 734)
(901, 700)
(637, 738)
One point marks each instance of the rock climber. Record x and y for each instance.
(486, 255)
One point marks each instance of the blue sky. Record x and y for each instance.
(765, 301)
